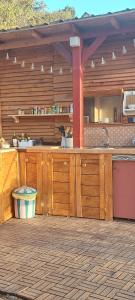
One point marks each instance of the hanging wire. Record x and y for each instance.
(15, 60)
(42, 69)
(113, 56)
(23, 64)
(103, 62)
(124, 50)
(32, 66)
(7, 56)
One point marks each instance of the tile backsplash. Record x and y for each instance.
(118, 135)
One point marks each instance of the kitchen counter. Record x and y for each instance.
(7, 150)
(86, 150)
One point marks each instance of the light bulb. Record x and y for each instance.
(51, 70)
(113, 56)
(23, 64)
(61, 71)
(92, 64)
(32, 66)
(7, 56)
(124, 50)
(103, 62)
(42, 69)
(15, 60)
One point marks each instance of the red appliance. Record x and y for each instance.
(124, 187)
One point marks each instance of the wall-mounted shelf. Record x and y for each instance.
(17, 118)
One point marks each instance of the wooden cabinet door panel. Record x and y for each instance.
(90, 185)
(9, 180)
(61, 197)
(31, 175)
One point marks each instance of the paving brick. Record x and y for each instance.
(57, 258)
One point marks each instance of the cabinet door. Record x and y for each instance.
(90, 186)
(61, 184)
(9, 180)
(31, 175)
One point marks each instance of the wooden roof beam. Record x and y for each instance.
(125, 30)
(34, 42)
(36, 34)
(115, 23)
(74, 29)
(63, 51)
(89, 51)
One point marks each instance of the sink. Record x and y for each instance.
(101, 147)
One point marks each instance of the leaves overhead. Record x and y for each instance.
(21, 13)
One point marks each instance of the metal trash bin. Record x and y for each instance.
(24, 202)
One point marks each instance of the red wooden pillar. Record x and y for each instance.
(77, 70)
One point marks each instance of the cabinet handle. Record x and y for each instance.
(26, 160)
(84, 165)
(65, 163)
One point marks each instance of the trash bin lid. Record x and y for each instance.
(25, 190)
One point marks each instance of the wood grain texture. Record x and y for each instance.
(9, 180)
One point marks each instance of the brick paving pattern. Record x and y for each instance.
(57, 258)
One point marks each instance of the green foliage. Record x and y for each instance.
(21, 13)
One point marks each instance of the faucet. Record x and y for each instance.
(107, 137)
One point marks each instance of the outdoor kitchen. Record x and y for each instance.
(67, 116)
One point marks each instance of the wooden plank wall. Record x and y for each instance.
(21, 87)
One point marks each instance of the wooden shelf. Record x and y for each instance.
(16, 118)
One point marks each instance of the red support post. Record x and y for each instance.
(78, 104)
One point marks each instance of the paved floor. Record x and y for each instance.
(66, 258)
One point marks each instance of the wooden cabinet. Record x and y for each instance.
(31, 168)
(9, 180)
(69, 184)
(61, 184)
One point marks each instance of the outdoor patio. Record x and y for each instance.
(67, 258)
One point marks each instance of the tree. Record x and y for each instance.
(21, 13)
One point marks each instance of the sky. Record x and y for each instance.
(92, 7)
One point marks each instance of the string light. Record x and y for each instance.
(103, 62)
(51, 70)
(113, 56)
(15, 60)
(32, 66)
(61, 71)
(7, 56)
(42, 69)
(124, 50)
(92, 64)
(23, 64)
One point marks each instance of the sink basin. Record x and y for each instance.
(101, 147)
